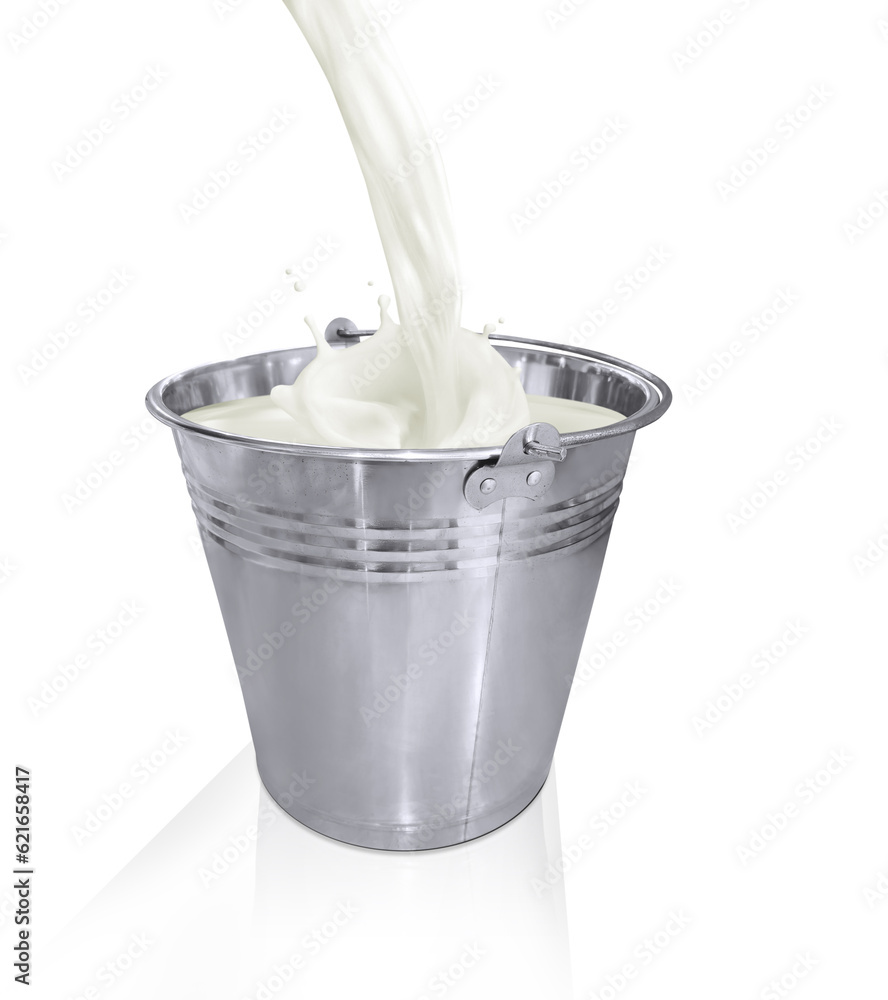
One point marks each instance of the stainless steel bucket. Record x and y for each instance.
(403, 621)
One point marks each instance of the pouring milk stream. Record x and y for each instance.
(434, 384)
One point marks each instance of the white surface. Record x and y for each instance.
(721, 261)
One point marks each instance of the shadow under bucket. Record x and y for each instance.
(404, 633)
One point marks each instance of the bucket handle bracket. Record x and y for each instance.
(525, 468)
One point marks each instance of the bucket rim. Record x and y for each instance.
(658, 398)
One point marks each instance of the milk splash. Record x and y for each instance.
(424, 382)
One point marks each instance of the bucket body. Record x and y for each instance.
(405, 657)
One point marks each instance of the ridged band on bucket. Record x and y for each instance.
(278, 538)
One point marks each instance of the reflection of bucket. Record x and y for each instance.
(502, 892)
(403, 621)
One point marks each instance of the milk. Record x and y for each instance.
(423, 381)
(260, 417)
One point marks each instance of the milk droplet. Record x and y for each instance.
(299, 285)
(289, 272)
(502, 319)
(489, 328)
(371, 283)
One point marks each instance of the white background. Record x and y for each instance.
(811, 554)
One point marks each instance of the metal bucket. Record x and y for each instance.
(403, 621)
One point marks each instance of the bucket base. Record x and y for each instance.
(406, 837)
